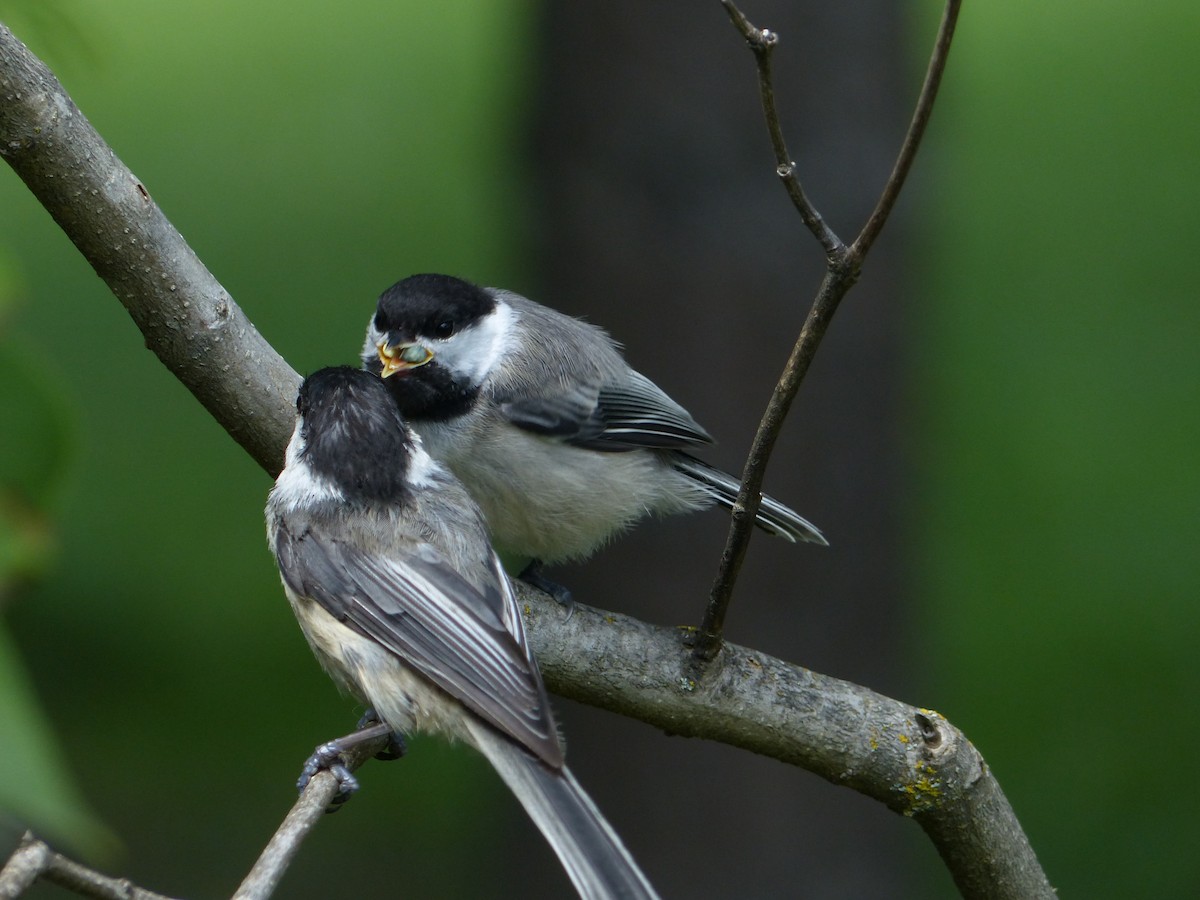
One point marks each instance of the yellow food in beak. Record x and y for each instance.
(402, 357)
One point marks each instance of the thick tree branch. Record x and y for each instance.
(913, 760)
(910, 759)
(843, 265)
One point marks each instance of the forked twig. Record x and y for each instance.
(843, 265)
(763, 42)
(35, 860)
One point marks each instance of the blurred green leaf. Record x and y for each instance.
(38, 432)
(35, 788)
(26, 543)
(60, 28)
(35, 454)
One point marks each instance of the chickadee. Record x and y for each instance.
(387, 566)
(559, 441)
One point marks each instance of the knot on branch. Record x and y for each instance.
(761, 40)
(930, 733)
(765, 39)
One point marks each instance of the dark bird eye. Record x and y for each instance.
(443, 329)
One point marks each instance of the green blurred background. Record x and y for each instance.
(1048, 398)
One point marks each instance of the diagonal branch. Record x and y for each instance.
(910, 759)
(843, 265)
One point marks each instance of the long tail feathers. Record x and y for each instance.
(594, 858)
(773, 517)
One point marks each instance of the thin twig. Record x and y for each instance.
(34, 860)
(843, 265)
(308, 809)
(763, 42)
(24, 866)
(916, 130)
(834, 286)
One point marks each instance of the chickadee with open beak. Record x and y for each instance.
(386, 562)
(561, 443)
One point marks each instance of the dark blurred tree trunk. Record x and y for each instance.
(660, 219)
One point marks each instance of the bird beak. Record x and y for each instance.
(402, 357)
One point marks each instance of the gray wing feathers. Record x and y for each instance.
(594, 858)
(626, 414)
(637, 412)
(773, 517)
(563, 413)
(578, 388)
(422, 610)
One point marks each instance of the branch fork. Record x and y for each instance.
(843, 266)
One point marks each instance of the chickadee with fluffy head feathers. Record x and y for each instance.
(561, 443)
(387, 565)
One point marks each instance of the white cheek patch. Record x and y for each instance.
(474, 353)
